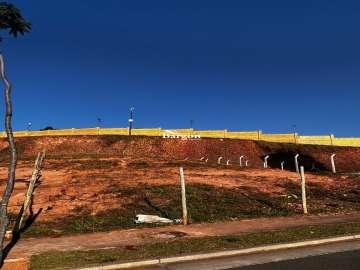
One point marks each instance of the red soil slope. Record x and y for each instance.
(93, 174)
(347, 158)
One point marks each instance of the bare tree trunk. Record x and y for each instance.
(4, 220)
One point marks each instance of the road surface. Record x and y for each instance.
(349, 260)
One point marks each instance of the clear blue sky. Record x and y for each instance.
(240, 65)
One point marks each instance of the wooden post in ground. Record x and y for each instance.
(303, 190)
(333, 163)
(183, 196)
(32, 183)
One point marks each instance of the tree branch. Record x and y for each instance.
(4, 221)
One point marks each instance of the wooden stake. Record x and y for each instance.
(183, 196)
(303, 190)
(34, 177)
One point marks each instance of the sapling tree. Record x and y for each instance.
(12, 21)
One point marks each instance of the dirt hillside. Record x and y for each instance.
(101, 183)
(347, 158)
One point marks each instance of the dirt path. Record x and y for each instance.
(28, 247)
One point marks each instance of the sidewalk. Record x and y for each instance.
(28, 247)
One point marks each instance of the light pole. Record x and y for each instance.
(295, 133)
(131, 119)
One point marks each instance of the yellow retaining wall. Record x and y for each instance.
(321, 140)
(184, 131)
(346, 141)
(211, 133)
(282, 138)
(114, 131)
(60, 132)
(147, 131)
(244, 135)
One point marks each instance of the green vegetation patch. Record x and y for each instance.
(182, 246)
(206, 203)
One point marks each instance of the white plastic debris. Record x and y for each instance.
(289, 196)
(151, 219)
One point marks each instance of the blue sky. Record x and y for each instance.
(240, 65)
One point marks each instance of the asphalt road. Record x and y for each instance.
(349, 260)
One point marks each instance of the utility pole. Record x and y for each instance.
(131, 119)
(99, 122)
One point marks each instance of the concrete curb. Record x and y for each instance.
(215, 255)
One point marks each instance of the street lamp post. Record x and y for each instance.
(295, 133)
(131, 119)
